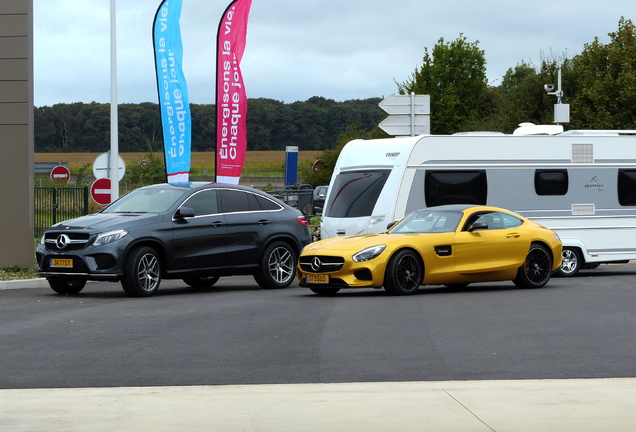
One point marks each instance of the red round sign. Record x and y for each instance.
(60, 174)
(101, 191)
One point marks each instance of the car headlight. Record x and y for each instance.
(368, 253)
(109, 237)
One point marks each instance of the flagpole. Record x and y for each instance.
(114, 132)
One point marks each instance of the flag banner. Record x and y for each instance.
(231, 99)
(173, 91)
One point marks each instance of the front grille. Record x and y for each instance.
(321, 264)
(65, 241)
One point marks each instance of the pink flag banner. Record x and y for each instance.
(231, 99)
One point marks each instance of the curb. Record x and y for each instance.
(24, 283)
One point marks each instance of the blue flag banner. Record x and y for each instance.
(173, 91)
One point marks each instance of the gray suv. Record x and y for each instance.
(197, 232)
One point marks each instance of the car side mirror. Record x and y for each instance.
(478, 225)
(185, 212)
(389, 226)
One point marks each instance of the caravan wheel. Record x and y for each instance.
(572, 261)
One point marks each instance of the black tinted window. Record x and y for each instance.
(355, 194)
(267, 204)
(234, 201)
(551, 182)
(455, 187)
(203, 203)
(627, 187)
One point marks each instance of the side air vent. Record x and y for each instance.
(582, 153)
(583, 209)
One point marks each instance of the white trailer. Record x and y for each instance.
(582, 184)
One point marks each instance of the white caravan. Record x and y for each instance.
(582, 184)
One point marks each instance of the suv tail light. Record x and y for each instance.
(302, 220)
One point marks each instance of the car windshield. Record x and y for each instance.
(428, 221)
(145, 200)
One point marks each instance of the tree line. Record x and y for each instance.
(599, 84)
(314, 124)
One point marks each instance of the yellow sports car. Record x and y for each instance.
(451, 245)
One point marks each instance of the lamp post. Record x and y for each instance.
(114, 138)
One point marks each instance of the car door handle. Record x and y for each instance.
(513, 235)
(263, 222)
(217, 224)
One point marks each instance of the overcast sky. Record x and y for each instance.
(296, 49)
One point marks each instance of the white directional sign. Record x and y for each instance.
(401, 104)
(401, 125)
(408, 114)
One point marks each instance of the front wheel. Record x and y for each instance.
(277, 266)
(536, 270)
(571, 263)
(142, 272)
(404, 273)
(67, 286)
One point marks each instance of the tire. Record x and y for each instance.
(201, 281)
(404, 273)
(277, 267)
(536, 270)
(67, 286)
(142, 272)
(325, 291)
(571, 264)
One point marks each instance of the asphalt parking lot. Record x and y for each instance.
(570, 339)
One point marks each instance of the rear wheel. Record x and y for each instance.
(277, 267)
(201, 281)
(67, 286)
(536, 270)
(404, 273)
(142, 272)
(572, 262)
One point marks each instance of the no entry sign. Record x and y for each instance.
(101, 191)
(60, 174)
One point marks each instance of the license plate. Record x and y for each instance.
(62, 262)
(317, 278)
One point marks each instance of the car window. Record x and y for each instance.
(428, 221)
(495, 220)
(203, 203)
(145, 200)
(267, 204)
(234, 201)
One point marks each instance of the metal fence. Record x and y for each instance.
(53, 205)
(301, 199)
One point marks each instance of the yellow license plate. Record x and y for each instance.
(316, 278)
(62, 262)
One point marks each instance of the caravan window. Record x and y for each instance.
(354, 194)
(551, 182)
(455, 187)
(627, 187)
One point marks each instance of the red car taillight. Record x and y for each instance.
(302, 220)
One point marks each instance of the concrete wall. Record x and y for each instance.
(16, 133)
